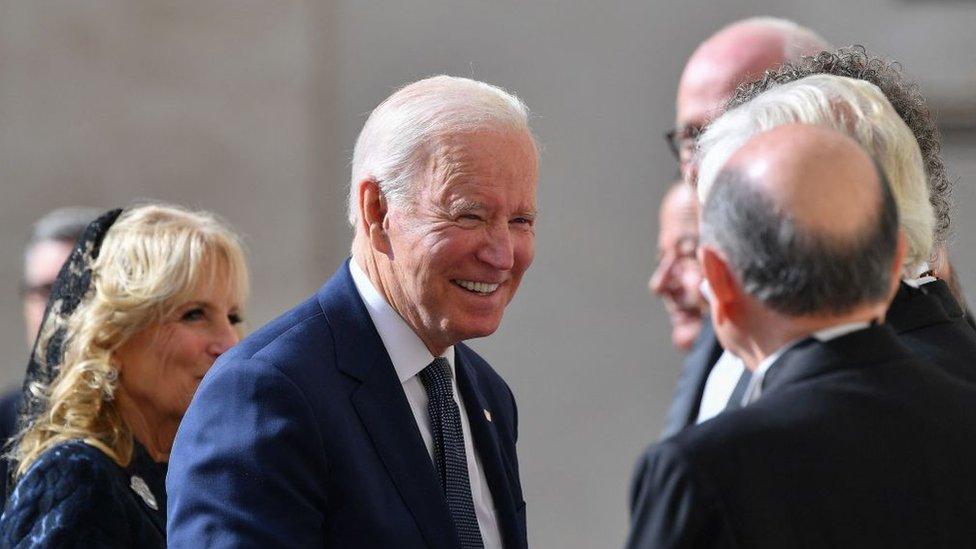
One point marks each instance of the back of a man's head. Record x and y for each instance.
(854, 107)
(805, 222)
(903, 94)
(739, 52)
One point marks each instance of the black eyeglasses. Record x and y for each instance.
(681, 140)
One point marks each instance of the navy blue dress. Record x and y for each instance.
(76, 496)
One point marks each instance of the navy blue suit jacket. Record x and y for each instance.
(302, 436)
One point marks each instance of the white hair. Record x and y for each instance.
(797, 40)
(393, 145)
(853, 107)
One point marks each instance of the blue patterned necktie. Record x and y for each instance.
(449, 457)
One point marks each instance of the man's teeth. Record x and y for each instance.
(479, 287)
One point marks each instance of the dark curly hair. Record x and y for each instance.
(903, 94)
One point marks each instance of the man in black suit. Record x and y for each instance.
(850, 440)
(739, 52)
(903, 94)
(677, 281)
(890, 120)
(51, 239)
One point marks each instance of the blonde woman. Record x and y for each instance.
(149, 298)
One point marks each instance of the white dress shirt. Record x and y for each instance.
(725, 374)
(409, 356)
(722, 378)
(719, 385)
(922, 276)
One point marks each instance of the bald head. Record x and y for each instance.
(824, 179)
(736, 54)
(805, 221)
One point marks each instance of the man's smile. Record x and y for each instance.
(482, 288)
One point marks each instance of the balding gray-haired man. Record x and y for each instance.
(923, 313)
(849, 439)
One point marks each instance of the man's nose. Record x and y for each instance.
(498, 250)
(689, 170)
(660, 278)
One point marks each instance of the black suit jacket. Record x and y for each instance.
(854, 443)
(928, 320)
(933, 325)
(302, 436)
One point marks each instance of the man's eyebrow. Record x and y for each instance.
(463, 206)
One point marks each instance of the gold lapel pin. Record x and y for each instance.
(487, 415)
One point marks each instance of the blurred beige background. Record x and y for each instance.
(251, 109)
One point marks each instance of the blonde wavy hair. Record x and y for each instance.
(151, 261)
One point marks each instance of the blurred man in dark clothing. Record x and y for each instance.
(49, 245)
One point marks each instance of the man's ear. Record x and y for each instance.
(725, 289)
(897, 268)
(372, 215)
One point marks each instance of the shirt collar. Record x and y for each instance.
(922, 276)
(754, 389)
(834, 332)
(407, 352)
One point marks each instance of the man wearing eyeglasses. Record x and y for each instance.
(737, 53)
(711, 379)
(51, 240)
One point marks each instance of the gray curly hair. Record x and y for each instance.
(902, 93)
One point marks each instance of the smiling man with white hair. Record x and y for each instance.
(360, 418)
(923, 313)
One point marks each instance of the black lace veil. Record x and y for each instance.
(70, 289)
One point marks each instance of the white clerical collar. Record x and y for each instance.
(407, 352)
(754, 389)
(923, 275)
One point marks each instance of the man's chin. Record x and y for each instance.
(684, 335)
(472, 329)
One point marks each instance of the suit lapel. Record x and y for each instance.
(914, 308)
(939, 290)
(812, 358)
(488, 448)
(384, 411)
